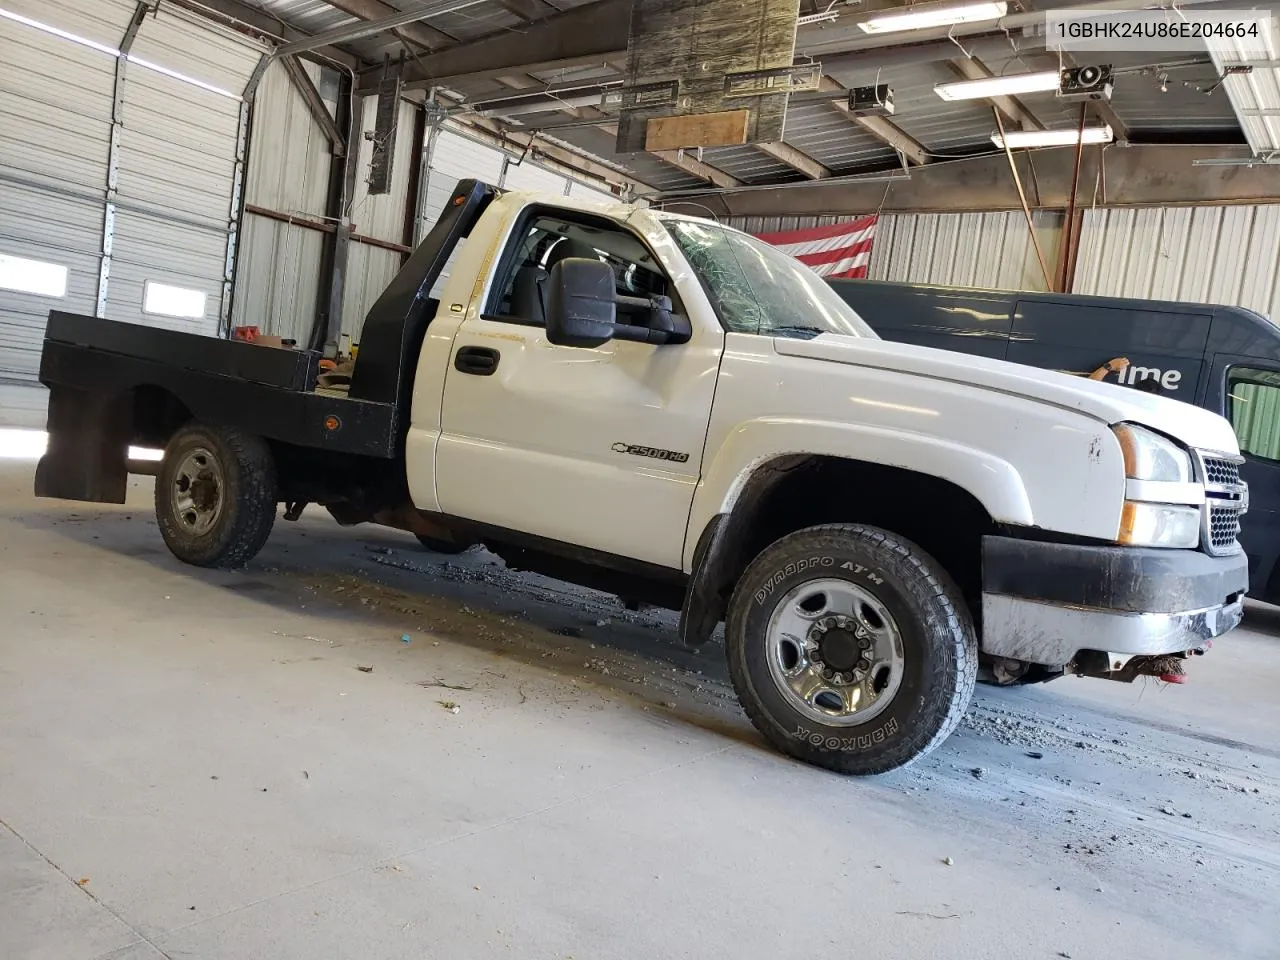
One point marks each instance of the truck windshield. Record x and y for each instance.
(757, 289)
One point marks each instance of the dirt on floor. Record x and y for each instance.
(443, 720)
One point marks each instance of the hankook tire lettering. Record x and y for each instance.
(861, 742)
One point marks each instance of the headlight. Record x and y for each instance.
(1149, 456)
(1159, 525)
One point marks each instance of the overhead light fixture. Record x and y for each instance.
(1013, 139)
(1042, 82)
(923, 16)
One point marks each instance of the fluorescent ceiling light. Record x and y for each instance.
(983, 87)
(929, 15)
(1052, 138)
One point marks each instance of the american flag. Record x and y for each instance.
(840, 250)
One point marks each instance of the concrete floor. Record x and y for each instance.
(192, 765)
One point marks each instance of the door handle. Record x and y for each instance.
(477, 361)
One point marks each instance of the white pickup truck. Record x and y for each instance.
(670, 410)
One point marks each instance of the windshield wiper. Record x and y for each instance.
(796, 328)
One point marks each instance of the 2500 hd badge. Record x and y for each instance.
(671, 456)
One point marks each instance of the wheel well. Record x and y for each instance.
(790, 494)
(157, 415)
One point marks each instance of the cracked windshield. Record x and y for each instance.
(756, 289)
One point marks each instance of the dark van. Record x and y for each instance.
(1225, 359)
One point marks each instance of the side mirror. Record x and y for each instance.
(580, 303)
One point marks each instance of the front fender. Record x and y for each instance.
(993, 482)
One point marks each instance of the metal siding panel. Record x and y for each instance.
(278, 278)
(1171, 258)
(382, 216)
(1198, 269)
(369, 270)
(1233, 246)
(289, 155)
(1259, 286)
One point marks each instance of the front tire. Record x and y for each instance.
(850, 648)
(215, 495)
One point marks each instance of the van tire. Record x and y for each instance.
(892, 583)
(216, 495)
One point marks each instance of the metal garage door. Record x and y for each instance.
(180, 166)
(55, 130)
(155, 250)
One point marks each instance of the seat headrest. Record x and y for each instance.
(567, 248)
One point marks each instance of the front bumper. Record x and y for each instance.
(1045, 602)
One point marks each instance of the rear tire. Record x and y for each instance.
(215, 495)
(442, 546)
(850, 648)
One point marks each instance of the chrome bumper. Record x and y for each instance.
(1045, 603)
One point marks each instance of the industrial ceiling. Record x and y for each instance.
(544, 68)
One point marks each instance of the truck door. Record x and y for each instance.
(1080, 337)
(599, 448)
(1246, 390)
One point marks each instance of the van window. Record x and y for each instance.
(1254, 407)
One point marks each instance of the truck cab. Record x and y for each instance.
(675, 412)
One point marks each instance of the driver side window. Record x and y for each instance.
(1253, 405)
(520, 293)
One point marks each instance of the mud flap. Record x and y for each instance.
(88, 446)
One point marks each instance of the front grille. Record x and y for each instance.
(1219, 471)
(1226, 499)
(1224, 527)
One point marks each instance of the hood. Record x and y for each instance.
(1107, 402)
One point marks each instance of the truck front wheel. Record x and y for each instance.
(850, 648)
(215, 495)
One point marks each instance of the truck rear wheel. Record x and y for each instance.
(850, 648)
(215, 495)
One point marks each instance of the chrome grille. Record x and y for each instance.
(1226, 500)
(1224, 527)
(1221, 472)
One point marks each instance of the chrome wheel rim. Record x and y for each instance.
(835, 652)
(197, 492)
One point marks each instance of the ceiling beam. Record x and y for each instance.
(369, 28)
(883, 129)
(797, 160)
(422, 34)
(315, 105)
(584, 35)
(687, 162)
(528, 10)
(1148, 175)
(578, 163)
(255, 22)
(1011, 108)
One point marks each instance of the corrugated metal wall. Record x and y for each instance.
(992, 250)
(278, 276)
(959, 249)
(369, 268)
(1200, 254)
